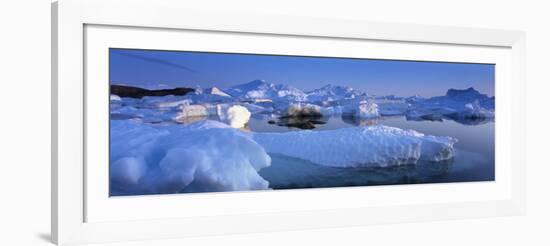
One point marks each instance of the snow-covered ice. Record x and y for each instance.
(456, 104)
(174, 103)
(366, 110)
(114, 98)
(236, 116)
(195, 111)
(387, 107)
(256, 108)
(149, 115)
(359, 146)
(260, 89)
(204, 156)
(474, 110)
(362, 109)
(333, 93)
(216, 91)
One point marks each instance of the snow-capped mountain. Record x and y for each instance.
(333, 93)
(260, 89)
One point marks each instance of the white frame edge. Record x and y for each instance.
(68, 20)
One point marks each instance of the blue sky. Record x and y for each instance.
(168, 69)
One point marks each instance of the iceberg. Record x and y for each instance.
(128, 170)
(236, 116)
(210, 95)
(216, 91)
(474, 111)
(460, 105)
(144, 114)
(370, 146)
(330, 92)
(357, 108)
(156, 102)
(366, 110)
(196, 110)
(203, 156)
(175, 103)
(262, 90)
(257, 108)
(392, 106)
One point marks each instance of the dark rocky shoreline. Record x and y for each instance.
(137, 92)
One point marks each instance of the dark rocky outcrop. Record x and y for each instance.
(137, 92)
(301, 122)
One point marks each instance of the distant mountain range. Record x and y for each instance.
(260, 89)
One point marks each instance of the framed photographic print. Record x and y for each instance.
(171, 125)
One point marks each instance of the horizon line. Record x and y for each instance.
(372, 94)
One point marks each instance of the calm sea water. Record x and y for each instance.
(474, 160)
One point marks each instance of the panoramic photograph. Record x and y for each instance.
(189, 122)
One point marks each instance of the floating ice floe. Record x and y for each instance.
(148, 115)
(174, 103)
(204, 156)
(216, 91)
(210, 95)
(114, 98)
(392, 107)
(257, 108)
(234, 115)
(197, 110)
(362, 109)
(359, 146)
(474, 111)
(366, 110)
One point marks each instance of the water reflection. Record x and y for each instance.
(473, 121)
(291, 173)
(474, 159)
(359, 122)
(310, 123)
